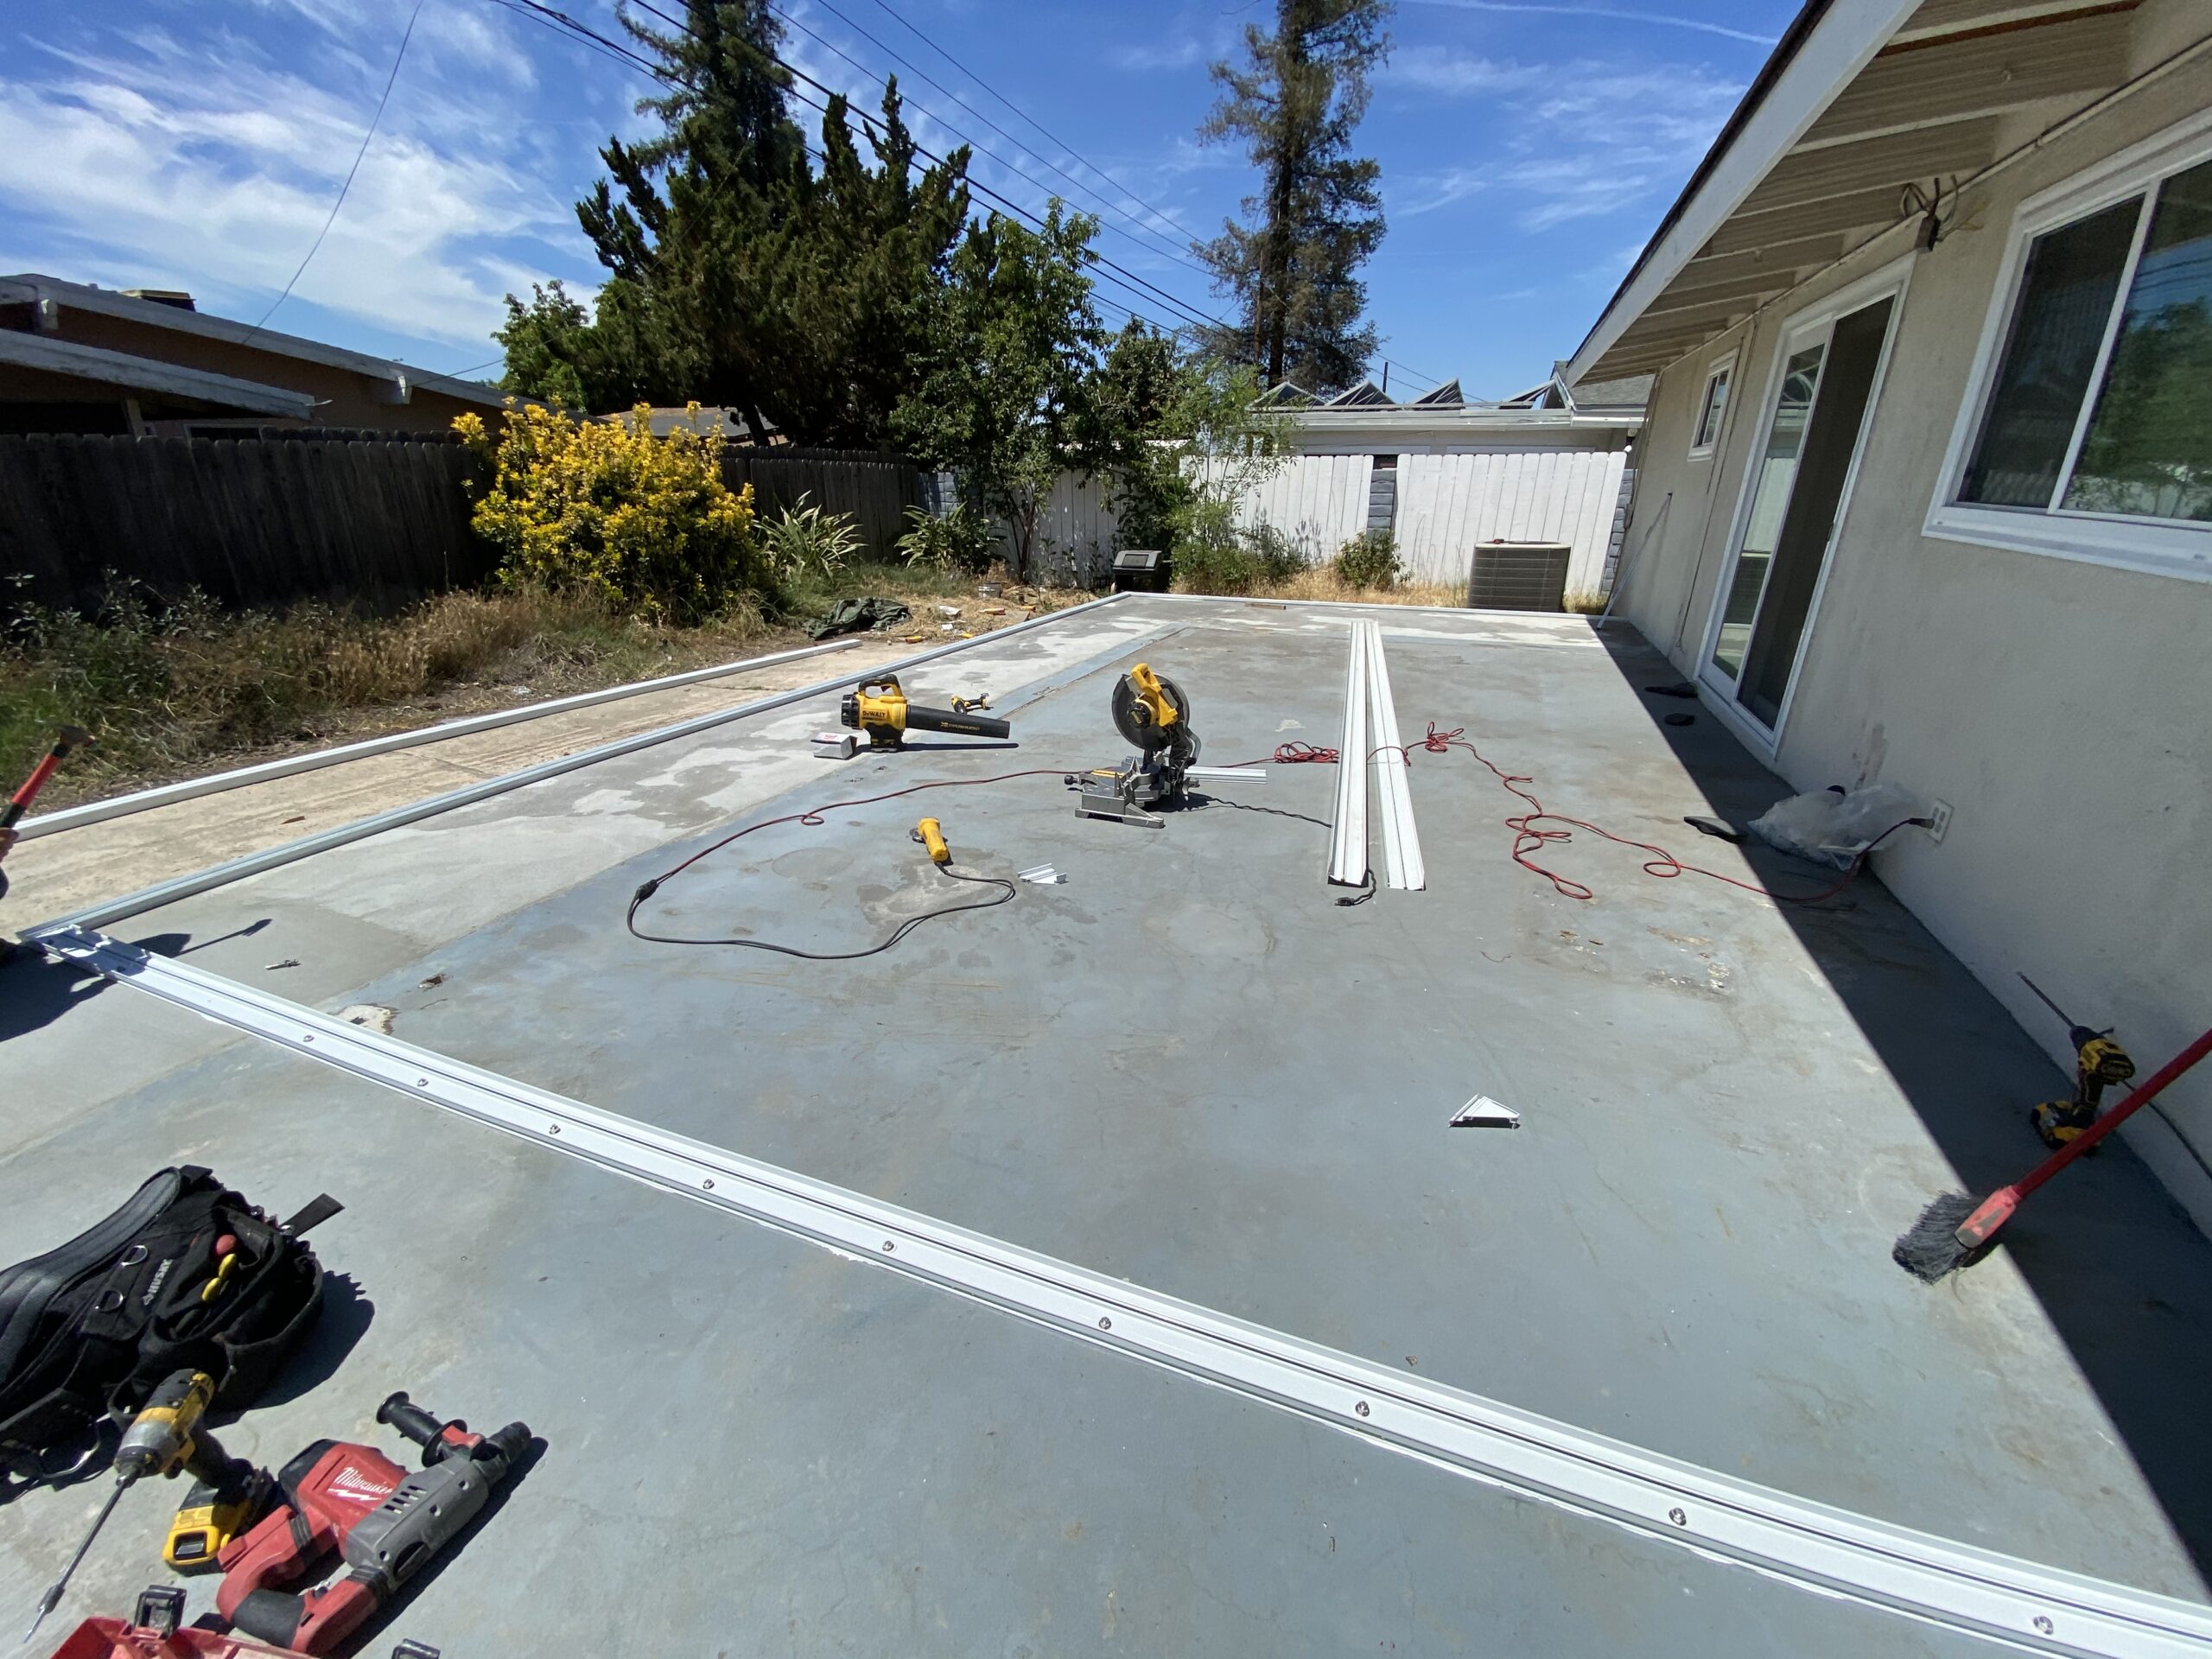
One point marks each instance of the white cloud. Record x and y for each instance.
(1178, 51)
(199, 162)
(1581, 139)
(1611, 14)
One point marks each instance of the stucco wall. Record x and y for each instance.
(2060, 707)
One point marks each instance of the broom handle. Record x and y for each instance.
(2142, 1096)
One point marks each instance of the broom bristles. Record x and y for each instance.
(1931, 1247)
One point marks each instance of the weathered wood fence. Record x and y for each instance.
(251, 522)
(875, 489)
(262, 520)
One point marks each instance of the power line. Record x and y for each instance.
(390, 81)
(1121, 277)
(928, 40)
(1176, 251)
(1130, 280)
(551, 18)
(1052, 137)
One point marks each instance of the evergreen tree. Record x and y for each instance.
(738, 275)
(1292, 264)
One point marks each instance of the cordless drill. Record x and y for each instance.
(166, 1439)
(383, 1521)
(2098, 1063)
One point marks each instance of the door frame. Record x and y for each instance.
(1890, 282)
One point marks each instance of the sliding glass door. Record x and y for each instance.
(1815, 418)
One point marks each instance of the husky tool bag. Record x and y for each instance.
(88, 1330)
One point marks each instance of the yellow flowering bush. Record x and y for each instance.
(604, 506)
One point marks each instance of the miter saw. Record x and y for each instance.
(1153, 714)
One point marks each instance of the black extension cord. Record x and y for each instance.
(1006, 891)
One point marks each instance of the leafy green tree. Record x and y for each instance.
(1292, 262)
(1007, 396)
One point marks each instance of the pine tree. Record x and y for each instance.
(1292, 264)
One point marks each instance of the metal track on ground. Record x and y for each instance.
(1829, 1551)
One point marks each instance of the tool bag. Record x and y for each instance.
(89, 1330)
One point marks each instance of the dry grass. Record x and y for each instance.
(1322, 582)
(173, 691)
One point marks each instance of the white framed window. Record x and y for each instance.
(2087, 431)
(1712, 407)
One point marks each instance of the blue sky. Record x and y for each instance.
(1528, 148)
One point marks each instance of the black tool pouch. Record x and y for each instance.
(89, 1330)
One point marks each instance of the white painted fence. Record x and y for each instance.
(1447, 503)
(1319, 501)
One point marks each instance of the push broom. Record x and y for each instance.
(1952, 1229)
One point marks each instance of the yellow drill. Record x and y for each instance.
(166, 1439)
(2098, 1063)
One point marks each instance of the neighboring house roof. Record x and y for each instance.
(216, 394)
(1445, 413)
(1858, 99)
(48, 295)
(711, 418)
(1366, 395)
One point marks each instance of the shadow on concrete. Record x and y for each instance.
(2124, 1275)
(345, 1317)
(36, 989)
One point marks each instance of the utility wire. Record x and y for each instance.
(1411, 373)
(1192, 313)
(390, 82)
(1127, 279)
(1176, 250)
(1158, 213)
(1121, 277)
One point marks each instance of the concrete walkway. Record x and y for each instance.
(55, 874)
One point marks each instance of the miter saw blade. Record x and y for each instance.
(1132, 720)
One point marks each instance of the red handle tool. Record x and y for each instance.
(1997, 1208)
(70, 737)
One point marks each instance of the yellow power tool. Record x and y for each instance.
(1153, 714)
(879, 708)
(166, 1439)
(2099, 1064)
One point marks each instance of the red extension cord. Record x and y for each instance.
(1527, 838)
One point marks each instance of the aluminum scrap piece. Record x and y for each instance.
(1227, 774)
(2025, 1605)
(1348, 825)
(1484, 1113)
(1403, 866)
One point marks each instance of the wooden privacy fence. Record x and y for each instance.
(876, 490)
(253, 522)
(264, 520)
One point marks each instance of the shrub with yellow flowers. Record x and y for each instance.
(606, 507)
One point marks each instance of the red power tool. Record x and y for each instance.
(382, 1521)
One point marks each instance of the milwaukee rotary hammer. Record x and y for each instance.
(384, 1523)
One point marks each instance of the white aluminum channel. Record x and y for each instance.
(183, 886)
(1833, 1552)
(146, 800)
(1401, 861)
(1348, 825)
